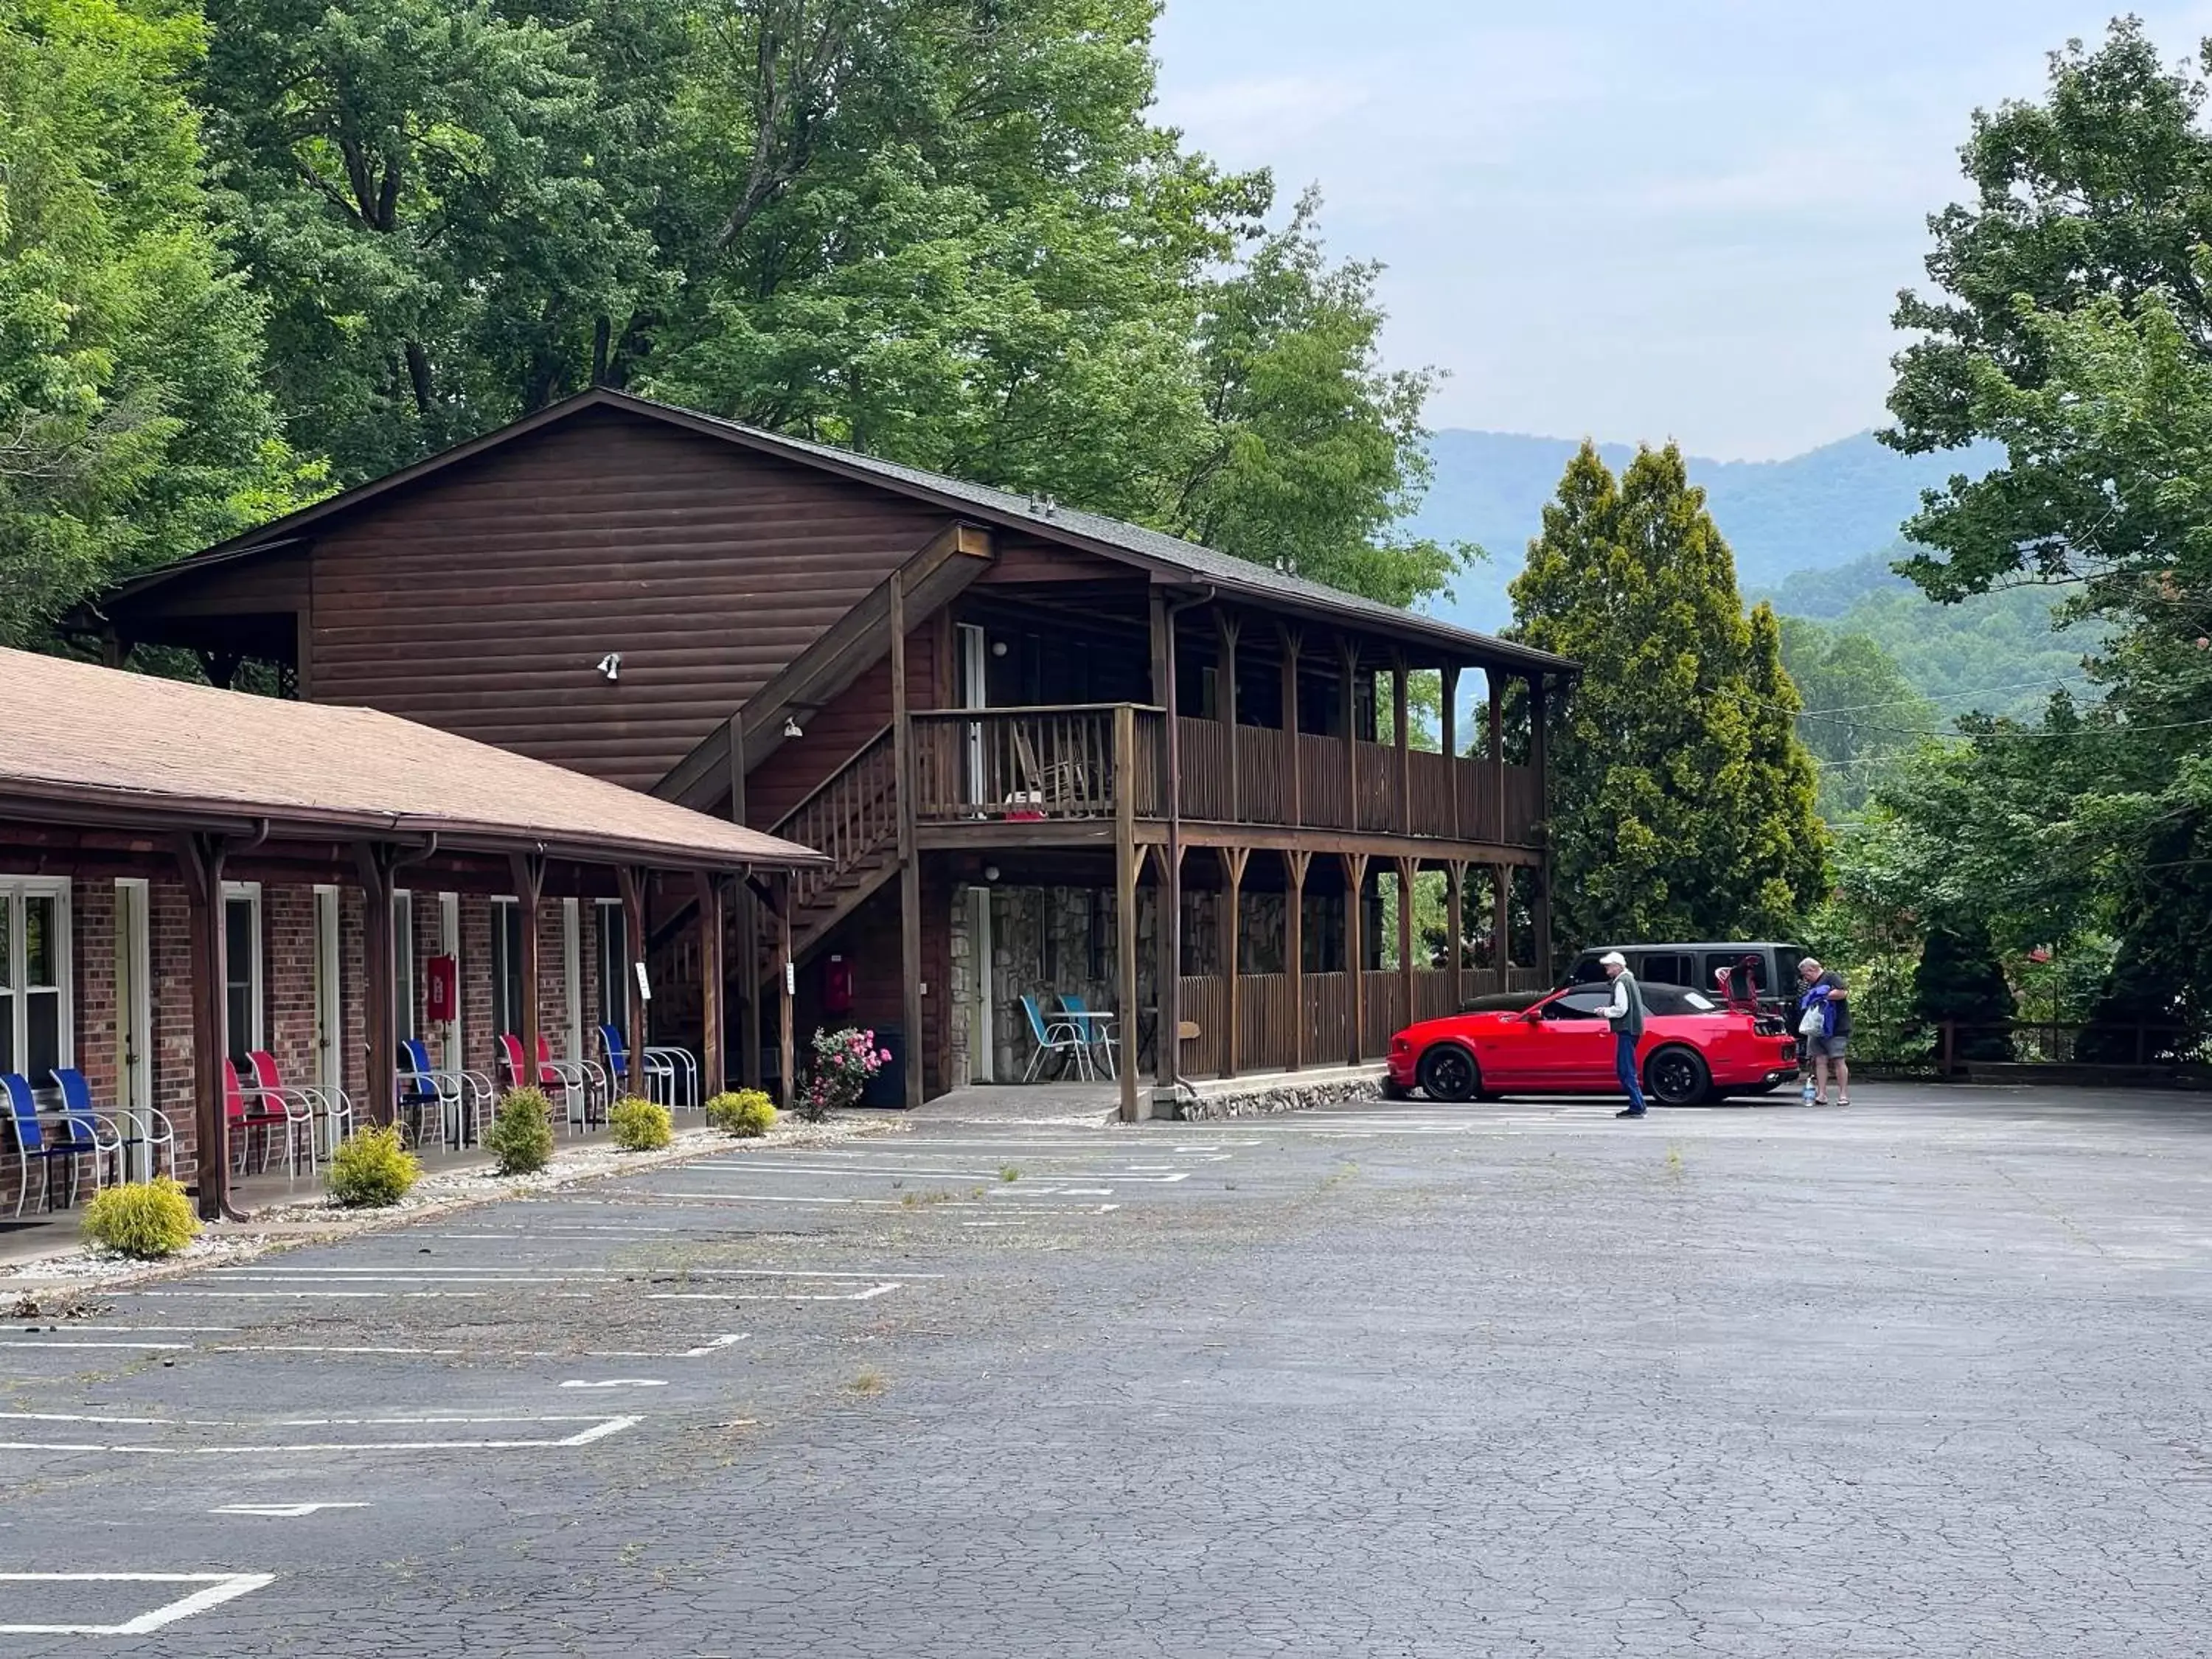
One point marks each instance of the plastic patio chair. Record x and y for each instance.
(149, 1127)
(1057, 1036)
(31, 1142)
(1097, 1028)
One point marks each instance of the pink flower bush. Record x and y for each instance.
(843, 1062)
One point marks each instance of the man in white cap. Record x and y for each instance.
(1625, 1013)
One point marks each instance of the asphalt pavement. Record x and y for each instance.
(1924, 1376)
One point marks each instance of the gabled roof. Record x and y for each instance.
(1166, 555)
(168, 753)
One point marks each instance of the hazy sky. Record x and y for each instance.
(1631, 220)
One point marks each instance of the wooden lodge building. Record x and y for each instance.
(1046, 755)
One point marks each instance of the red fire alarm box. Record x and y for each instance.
(837, 986)
(441, 998)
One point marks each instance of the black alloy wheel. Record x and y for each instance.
(1675, 1076)
(1448, 1073)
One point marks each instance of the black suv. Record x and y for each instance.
(1771, 968)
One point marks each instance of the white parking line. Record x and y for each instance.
(281, 1511)
(1156, 1175)
(616, 1382)
(868, 1295)
(599, 1429)
(217, 1588)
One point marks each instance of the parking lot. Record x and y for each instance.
(1924, 1376)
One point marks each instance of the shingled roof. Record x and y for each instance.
(101, 741)
(1170, 556)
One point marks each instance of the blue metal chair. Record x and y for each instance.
(1059, 1035)
(75, 1141)
(151, 1130)
(662, 1067)
(1097, 1031)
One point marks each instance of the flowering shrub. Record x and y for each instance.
(843, 1062)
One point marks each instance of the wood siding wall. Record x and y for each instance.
(481, 603)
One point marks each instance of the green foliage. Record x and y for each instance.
(1683, 805)
(640, 1126)
(520, 1139)
(1958, 980)
(1861, 716)
(373, 1168)
(136, 425)
(746, 1112)
(147, 1219)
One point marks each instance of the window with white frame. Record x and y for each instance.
(507, 967)
(37, 1027)
(241, 968)
(406, 993)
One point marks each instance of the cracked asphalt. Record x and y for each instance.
(1922, 1377)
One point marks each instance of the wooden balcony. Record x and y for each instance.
(1067, 765)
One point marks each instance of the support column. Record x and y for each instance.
(1406, 872)
(529, 878)
(749, 936)
(1455, 928)
(1540, 751)
(1227, 677)
(1495, 830)
(910, 1015)
(1501, 920)
(200, 859)
(380, 1027)
(1125, 922)
(1294, 949)
(1355, 947)
(1450, 685)
(786, 984)
(712, 1061)
(630, 881)
(1233, 861)
(1401, 721)
(1167, 955)
(1293, 639)
(1348, 661)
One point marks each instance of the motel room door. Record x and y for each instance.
(134, 1019)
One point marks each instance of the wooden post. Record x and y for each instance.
(1540, 906)
(1497, 825)
(528, 876)
(630, 881)
(1348, 659)
(1125, 922)
(1167, 992)
(1167, 955)
(1450, 682)
(1291, 639)
(711, 1059)
(1455, 927)
(380, 1029)
(200, 860)
(1294, 949)
(749, 940)
(1400, 711)
(1501, 921)
(1406, 874)
(1226, 675)
(1355, 948)
(1233, 861)
(786, 1010)
(909, 854)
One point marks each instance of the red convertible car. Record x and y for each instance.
(1694, 1049)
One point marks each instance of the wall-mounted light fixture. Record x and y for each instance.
(792, 727)
(998, 647)
(611, 664)
(990, 872)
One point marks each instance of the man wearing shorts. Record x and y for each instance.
(1827, 1046)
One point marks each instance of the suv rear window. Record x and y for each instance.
(1666, 968)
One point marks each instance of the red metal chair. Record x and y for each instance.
(332, 1105)
(250, 1110)
(545, 1076)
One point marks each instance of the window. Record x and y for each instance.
(1665, 969)
(242, 970)
(36, 1031)
(614, 966)
(1580, 1004)
(507, 967)
(406, 992)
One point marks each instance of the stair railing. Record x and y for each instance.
(850, 817)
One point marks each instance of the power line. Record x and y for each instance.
(1945, 696)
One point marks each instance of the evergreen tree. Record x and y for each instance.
(136, 425)
(1958, 980)
(1682, 805)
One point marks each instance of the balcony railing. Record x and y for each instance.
(1061, 763)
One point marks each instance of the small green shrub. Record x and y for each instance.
(373, 1168)
(640, 1126)
(520, 1139)
(746, 1112)
(147, 1219)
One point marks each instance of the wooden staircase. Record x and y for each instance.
(853, 817)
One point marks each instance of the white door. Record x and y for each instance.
(330, 1006)
(572, 975)
(134, 1020)
(449, 945)
(975, 693)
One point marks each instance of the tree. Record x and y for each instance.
(1958, 980)
(1682, 802)
(1861, 716)
(133, 425)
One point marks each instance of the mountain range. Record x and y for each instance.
(1783, 518)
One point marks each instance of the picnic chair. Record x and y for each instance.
(151, 1130)
(1060, 1036)
(669, 1072)
(461, 1097)
(333, 1105)
(73, 1138)
(576, 1102)
(255, 1110)
(1097, 1028)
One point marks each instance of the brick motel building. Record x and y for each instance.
(188, 873)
